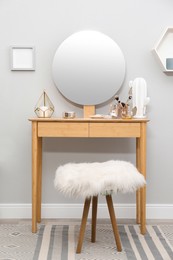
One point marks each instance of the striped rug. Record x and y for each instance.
(59, 242)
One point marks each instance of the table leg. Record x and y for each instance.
(39, 180)
(138, 206)
(35, 148)
(143, 171)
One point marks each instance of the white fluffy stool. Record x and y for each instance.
(88, 180)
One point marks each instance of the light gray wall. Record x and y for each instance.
(136, 26)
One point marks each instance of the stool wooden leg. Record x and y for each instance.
(94, 218)
(83, 225)
(138, 207)
(113, 221)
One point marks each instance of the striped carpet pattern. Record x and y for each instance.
(59, 242)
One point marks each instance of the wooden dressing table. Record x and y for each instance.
(87, 128)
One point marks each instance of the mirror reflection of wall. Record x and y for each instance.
(88, 68)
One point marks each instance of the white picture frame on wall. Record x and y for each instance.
(22, 58)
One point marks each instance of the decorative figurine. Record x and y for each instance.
(44, 107)
(139, 97)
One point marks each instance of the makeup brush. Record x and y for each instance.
(129, 98)
(116, 98)
(123, 104)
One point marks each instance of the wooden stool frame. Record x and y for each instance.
(94, 221)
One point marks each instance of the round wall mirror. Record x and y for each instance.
(88, 68)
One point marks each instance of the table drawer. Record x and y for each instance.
(114, 130)
(62, 129)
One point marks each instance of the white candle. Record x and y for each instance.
(44, 111)
(44, 108)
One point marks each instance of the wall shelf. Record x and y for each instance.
(163, 50)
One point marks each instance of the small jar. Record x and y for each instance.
(68, 115)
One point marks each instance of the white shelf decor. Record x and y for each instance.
(22, 58)
(163, 50)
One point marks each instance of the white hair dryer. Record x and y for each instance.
(139, 97)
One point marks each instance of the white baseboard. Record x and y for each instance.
(124, 211)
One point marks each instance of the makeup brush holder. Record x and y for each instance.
(121, 109)
(126, 112)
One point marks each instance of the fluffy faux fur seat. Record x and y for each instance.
(90, 179)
